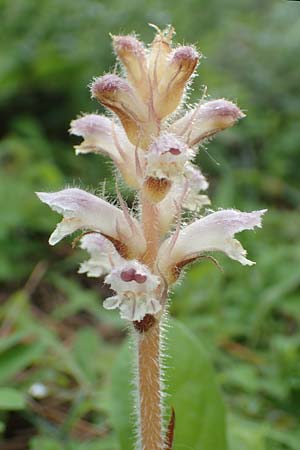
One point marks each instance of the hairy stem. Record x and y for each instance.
(149, 386)
(151, 232)
(149, 371)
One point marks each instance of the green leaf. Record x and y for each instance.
(192, 389)
(11, 399)
(18, 358)
(45, 443)
(87, 343)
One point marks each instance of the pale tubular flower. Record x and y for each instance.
(160, 50)
(102, 135)
(116, 94)
(214, 232)
(168, 90)
(103, 255)
(206, 120)
(98, 134)
(82, 210)
(131, 53)
(167, 157)
(136, 290)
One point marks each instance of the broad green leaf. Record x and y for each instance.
(192, 389)
(11, 399)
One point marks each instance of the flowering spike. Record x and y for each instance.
(155, 157)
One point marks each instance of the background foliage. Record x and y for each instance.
(53, 329)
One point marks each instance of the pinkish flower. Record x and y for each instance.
(136, 289)
(206, 120)
(102, 135)
(132, 54)
(84, 211)
(214, 232)
(169, 87)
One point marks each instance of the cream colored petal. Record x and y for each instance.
(206, 120)
(101, 135)
(132, 54)
(82, 210)
(180, 66)
(214, 232)
(103, 255)
(112, 302)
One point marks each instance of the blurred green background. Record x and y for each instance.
(53, 329)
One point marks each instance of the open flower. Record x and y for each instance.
(84, 211)
(136, 290)
(214, 232)
(207, 119)
(103, 135)
(166, 160)
(167, 157)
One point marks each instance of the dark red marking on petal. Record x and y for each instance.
(128, 275)
(139, 278)
(174, 151)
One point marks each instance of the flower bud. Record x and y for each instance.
(158, 58)
(206, 120)
(115, 93)
(181, 64)
(132, 54)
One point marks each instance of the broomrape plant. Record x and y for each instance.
(152, 139)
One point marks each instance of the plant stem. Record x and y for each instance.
(149, 387)
(148, 345)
